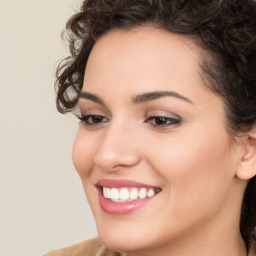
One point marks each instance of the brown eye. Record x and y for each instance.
(96, 119)
(162, 121)
(93, 119)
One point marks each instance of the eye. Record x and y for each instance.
(93, 120)
(162, 121)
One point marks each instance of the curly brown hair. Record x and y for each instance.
(226, 29)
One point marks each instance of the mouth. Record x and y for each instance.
(128, 194)
(124, 196)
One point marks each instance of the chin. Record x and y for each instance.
(121, 240)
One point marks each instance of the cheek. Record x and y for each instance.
(83, 154)
(197, 171)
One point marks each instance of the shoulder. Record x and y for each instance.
(91, 247)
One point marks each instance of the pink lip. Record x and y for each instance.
(122, 184)
(121, 207)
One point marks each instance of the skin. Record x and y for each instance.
(195, 161)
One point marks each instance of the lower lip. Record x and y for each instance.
(122, 207)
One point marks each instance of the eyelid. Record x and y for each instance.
(85, 120)
(163, 120)
(86, 106)
(163, 117)
(91, 111)
(163, 113)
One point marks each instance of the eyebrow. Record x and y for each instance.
(92, 97)
(148, 96)
(140, 98)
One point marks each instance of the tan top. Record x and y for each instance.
(94, 247)
(91, 247)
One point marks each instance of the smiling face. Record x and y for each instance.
(151, 126)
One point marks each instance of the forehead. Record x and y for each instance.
(147, 44)
(142, 58)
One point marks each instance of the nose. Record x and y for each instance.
(118, 149)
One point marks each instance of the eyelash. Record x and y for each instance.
(85, 119)
(169, 121)
(89, 120)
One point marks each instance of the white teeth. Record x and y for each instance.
(142, 193)
(106, 192)
(134, 194)
(124, 194)
(151, 193)
(114, 194)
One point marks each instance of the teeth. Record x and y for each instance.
(134, 194)
(114, 194)
(151, 193)
(124, 194)
(106, 192)
(142, 193)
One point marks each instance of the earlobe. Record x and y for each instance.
(247, 166)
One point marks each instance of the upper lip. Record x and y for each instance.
(122, 183)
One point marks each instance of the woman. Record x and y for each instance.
(166, 148)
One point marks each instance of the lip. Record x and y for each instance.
(122, 184)
(121, 208)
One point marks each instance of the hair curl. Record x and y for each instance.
(226, 29)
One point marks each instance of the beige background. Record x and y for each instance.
(42, 204)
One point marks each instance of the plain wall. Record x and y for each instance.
(42, 203)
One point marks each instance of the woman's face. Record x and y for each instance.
(156, 136)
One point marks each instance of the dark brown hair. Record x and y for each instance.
(226, 29)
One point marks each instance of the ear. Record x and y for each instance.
(247, 166)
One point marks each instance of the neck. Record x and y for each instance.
(224, 245)
(219, 235)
